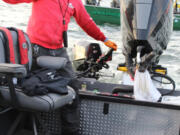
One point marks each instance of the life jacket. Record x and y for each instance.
(15, 47)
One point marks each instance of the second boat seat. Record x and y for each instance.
(52, 62)
(44, 103)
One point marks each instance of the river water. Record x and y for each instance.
(17, 16)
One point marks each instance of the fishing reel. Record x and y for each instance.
(93, 61)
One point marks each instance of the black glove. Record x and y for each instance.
(31, 87)
(42, 81)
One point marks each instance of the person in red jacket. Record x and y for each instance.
(47, 28)
(46, 25)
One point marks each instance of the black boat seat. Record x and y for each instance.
(44, 103)
(13, 98)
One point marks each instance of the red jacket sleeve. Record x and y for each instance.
(18, 1)
(86, 22)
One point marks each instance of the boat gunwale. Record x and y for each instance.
(94, 6)
(124, 100)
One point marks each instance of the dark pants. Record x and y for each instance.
(70, 113)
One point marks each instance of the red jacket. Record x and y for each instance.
(45, 25)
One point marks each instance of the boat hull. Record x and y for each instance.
(105, 114)
(103, 15)
(176, 22)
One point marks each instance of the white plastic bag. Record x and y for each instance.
(144, 88)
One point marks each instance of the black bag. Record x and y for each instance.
(42, 81)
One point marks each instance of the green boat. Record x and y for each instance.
(103, 15)
(109, 15)
(176, 24)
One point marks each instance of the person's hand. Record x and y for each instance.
(111, 44)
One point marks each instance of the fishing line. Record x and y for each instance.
(64, 23)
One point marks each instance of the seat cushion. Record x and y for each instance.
(45, 103)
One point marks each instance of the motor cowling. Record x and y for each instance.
(145, 23)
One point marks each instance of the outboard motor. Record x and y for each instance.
(89, 59)
(146, 27)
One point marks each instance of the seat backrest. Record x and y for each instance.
(5, 47)
(2, 52)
